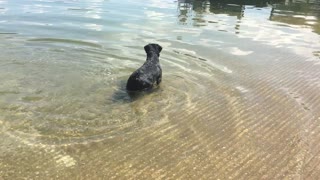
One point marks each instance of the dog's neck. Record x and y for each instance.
(152, 56)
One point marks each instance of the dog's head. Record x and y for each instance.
(153, 48)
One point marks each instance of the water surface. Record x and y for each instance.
(239, 97)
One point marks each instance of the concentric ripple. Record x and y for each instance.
(87, 101)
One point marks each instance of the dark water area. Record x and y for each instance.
(238, 99)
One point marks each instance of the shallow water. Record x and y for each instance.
(239, 97)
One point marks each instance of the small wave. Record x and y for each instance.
(67, 41)
(80, 9)
(8, 33)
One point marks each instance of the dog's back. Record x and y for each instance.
(149, 73)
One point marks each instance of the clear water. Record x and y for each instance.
(239, 97)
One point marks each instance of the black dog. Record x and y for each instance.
(149, 73)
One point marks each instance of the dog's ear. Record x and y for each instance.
(159, 48)
(147, 48)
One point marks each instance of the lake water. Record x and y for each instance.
(239, 97)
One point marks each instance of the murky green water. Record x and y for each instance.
(239, 97)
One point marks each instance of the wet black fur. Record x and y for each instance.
(150, 73)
